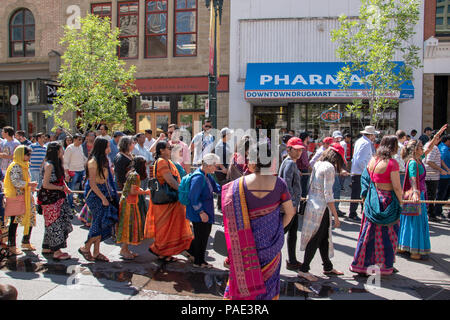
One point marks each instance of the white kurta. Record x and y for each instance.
(320, 193)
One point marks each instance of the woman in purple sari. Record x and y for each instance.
(254, 232)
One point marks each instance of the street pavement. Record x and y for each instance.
(39, 277)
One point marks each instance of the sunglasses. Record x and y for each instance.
(208, 126)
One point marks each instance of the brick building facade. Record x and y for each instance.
(171, 57)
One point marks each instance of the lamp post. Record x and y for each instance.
(215, 5)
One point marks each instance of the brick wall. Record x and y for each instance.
(429, 19)
(428, 100)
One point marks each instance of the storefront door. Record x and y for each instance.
(36, 122)
(191, 121)
(153, 121)
(8, 115)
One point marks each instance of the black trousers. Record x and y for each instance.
(432, 186)
(443, 192)
(356, 194)
(304, 179)
(202, 230)
(292, 239)
(319, 241)
(12, 230)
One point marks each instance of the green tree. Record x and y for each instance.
(369, 45)
(93, 79)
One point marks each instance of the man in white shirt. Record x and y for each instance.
(149, 140)
(140, 150)
(103, 131)
(325, 144)
(74, 165)
(202, 143)
(364, 150)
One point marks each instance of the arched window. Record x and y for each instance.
(21, 34)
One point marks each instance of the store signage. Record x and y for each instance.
(331, 116)
(206, 108)
(307, 80)
(51, 92)
(179, 85)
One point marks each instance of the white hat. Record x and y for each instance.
(226, 131)
(337, 134)
(370, 130)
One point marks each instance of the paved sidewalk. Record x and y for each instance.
(39, 277)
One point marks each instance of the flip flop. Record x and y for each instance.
(206, 266)
(100, 257)
(333, 272)
(125, 257)
(63, 256)
(87, 255)
(162, 258)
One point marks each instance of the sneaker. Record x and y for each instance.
(354, 218)
(340, 213)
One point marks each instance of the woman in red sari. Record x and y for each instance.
(254, 232)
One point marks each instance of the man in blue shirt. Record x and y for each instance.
(114, 145)
(141, 150)
(444, 181)
(364, 150)
(37, 158)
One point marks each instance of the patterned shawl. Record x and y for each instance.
(246, 278)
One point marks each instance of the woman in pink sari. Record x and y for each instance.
(254, 232)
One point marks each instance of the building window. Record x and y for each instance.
(443, 16)
(185, 28)
(21, 34)
(101, 9)
(128, 23)
(192, 102)
(156, 29)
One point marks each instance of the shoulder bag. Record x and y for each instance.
(161, 193)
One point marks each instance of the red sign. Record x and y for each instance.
(331, 116)
(179, 85)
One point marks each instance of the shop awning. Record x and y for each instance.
(307, 80)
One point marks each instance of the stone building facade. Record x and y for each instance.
(171, 57)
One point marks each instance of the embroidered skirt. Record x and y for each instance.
(377, 244)
(57, 224)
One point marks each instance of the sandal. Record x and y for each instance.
(189, 256)
(333, 272)
(14, 251)
(162, 258)
(100, 257)
(28, 247)
(170, 259)
(128, 256)
(308, 276)
(86, 255)
(47, 251)
(62, 256)
(206, 265)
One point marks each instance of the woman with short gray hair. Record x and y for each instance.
(200, 211)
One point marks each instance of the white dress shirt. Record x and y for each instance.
(362, 155)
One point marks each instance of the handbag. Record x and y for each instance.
(220, 243)
(302, 205)
(15, 206)
(161, 193)
(410, 209)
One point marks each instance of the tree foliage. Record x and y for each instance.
(369, 45)
(93, 79)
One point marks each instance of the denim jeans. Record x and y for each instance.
(356, 194)
(36, 176)
(337, 190)
(78, 177)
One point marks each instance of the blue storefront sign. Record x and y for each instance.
(307, 80)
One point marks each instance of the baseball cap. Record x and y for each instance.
(337, 134)
(339, 149)
(328, 140)
(295, 143)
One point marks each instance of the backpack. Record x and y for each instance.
(185, 188)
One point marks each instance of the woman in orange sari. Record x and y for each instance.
(167, 223)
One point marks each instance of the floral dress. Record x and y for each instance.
(19, 183)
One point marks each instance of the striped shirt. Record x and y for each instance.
(37, 156)
(435, 157)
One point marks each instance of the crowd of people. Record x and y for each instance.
(140, 187)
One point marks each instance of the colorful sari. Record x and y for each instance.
(254, 236)
(167, 223)
(132, 210)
